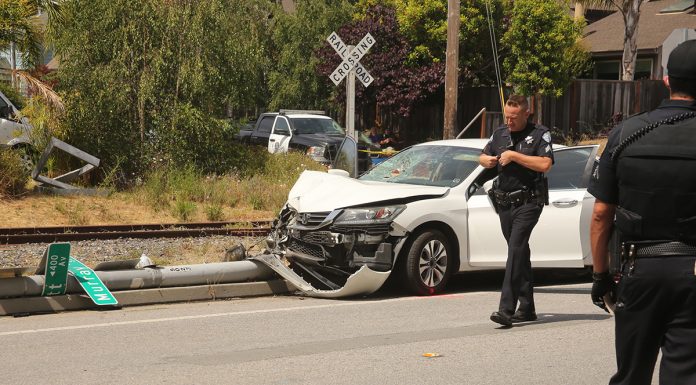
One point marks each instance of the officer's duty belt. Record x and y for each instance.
(513, 198)
(657, 249)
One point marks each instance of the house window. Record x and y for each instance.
(611, 69)
(643, 69)
(607, 69)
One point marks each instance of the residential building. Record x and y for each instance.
(663, 24)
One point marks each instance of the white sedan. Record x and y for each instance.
(424, 215)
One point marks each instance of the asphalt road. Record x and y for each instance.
(298, 340)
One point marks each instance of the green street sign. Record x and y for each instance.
(94, 287)
(56, 269)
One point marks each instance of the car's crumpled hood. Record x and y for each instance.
(317, 191)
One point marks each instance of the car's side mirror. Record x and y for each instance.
(488, 185)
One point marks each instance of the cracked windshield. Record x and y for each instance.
(444, 166)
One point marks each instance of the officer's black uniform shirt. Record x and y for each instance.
(533, 140)
(604, 185)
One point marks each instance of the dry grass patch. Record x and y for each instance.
(120, 208)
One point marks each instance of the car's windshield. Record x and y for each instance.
(427, 165)
(316, 126)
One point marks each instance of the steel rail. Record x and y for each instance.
(131, 227)
(175, 230)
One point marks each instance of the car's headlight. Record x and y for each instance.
(369, 215)
(316, 152)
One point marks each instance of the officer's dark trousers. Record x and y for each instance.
(517, 224)
(656, 309)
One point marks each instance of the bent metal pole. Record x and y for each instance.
(161, 276)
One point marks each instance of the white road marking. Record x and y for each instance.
(214, 315)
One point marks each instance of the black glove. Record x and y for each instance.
(602, 284)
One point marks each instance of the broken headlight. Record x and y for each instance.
(317, 153)
(369, 215)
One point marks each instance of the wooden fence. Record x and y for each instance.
(587, 106)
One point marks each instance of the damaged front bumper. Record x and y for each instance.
(324, 257)
(363, 282)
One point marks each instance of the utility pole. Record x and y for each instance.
(579, 10)
(13, 66)
(451, 69)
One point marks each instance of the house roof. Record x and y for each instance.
(606, 35)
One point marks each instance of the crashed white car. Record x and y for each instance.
(422, 214)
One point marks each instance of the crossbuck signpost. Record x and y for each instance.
(350, 67)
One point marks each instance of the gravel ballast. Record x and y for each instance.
(163, 251)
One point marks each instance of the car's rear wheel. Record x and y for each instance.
(428, 264)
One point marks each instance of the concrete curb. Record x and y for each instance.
(33, 305)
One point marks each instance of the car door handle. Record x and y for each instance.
(271, 140)
(565, 203)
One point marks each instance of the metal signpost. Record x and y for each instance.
(56, 269)
(94, 287)
(350, 67)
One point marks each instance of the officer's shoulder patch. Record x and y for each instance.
(547, 137)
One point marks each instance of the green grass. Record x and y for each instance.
(184, 191)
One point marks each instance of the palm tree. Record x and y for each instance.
(21, 33)
(630, 10)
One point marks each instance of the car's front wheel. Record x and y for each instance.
(428, 264)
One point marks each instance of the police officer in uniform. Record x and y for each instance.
(645, 188)
(522, 153)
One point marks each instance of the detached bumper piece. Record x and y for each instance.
(365, 281)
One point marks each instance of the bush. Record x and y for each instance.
(214, 213)
(15, 97)
(13, 174)
(184, 210)
(185, 184)
(155, 188)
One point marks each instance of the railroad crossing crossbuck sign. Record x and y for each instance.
(351, 58)
(351, 67)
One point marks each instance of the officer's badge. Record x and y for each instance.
(595, 174)
(546, 137)
(548, 149)
(529, 139)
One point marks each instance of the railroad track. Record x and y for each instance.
(21, 235)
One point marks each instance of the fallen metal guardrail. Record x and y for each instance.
(60, 184)
(61, 281)
(157, 277)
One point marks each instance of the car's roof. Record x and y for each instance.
(473, 143)
(307, 116)
(295, 115)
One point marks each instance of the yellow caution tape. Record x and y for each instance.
(388, 153)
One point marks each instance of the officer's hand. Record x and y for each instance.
(489, 161)
(602, 283)
(507, 157)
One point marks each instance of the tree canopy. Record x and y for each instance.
(543, 47)
(18, 25)
(150, 79)
(150, 82)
